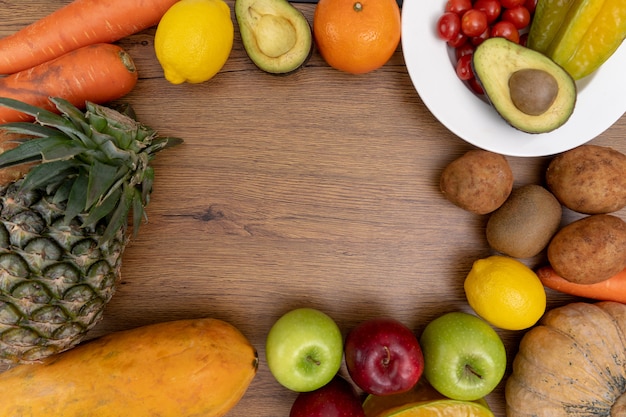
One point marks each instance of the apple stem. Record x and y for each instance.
(472, 371)
(315, 362)
(387, 358)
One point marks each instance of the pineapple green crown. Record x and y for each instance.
(95, 162)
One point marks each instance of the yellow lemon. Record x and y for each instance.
(505, 292)
(193, 40)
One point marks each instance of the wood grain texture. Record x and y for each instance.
(315, 189)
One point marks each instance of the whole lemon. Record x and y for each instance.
(193, 40)
(505, 292)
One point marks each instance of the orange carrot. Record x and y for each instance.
(612, 289)
(80, 23)
(98, 73)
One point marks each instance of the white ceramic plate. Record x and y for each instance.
(601, 96)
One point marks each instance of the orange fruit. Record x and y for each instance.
(357, 36)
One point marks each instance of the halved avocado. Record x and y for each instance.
(276, 36)
(529, 90)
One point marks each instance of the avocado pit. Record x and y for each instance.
(533, 91)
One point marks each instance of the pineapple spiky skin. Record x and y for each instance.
(64, 224)
(55, 279)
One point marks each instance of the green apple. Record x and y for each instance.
(464, 357)
(304, 349)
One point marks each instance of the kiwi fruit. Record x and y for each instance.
(523, 226)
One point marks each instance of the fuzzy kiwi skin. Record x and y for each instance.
(523, 226)
(479, 181)
(589, 179)
(589, 250)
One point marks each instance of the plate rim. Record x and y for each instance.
(489, 130)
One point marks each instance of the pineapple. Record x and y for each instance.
(64, 224)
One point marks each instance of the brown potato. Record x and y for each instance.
(479, 181)
(590, 249)
(589, 179)
(523, 226)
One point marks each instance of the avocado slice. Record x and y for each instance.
(276, 36)
(529, 90)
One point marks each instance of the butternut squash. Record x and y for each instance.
(196, 367)
(572, 364)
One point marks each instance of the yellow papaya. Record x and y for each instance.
(579, 35)
(196, 367)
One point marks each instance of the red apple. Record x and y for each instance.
(338, 398)
(383, 356)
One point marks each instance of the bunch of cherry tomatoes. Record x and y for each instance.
(466, 23)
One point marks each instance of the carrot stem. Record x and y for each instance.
(611, 289)
(78, 24)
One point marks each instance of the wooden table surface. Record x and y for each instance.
(314, 189)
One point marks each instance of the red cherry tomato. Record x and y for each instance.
(519, 16)
(523, 39)
(457, 41)
(531, 5)
(466, 49)
(475, 86)
(504, 29)
(507, 4)
(458, 6)
(477, 40)
(465, 24)
(491, 8)
(473, 22)
(449, 26)
(464, 68)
